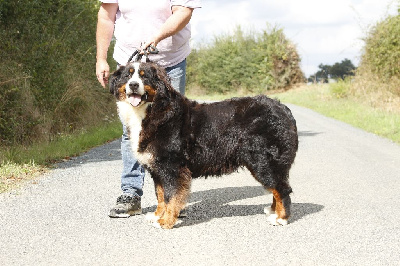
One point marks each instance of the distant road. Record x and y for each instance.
(346, 206)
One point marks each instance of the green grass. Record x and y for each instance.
(19, 164)
(12, 174)
(64, 146)
(324, 99)
(333, 100)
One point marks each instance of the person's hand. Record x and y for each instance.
(144, 46)
(102, 72)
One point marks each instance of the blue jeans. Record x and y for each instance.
(132, 177)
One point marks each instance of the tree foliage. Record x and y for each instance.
(253, 62)
(336, 71)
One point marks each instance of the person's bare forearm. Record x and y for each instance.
(176, 22)
(104, 33)
(105, 29)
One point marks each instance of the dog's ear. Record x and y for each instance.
(162, 79)
(160, 82)
(114, 78)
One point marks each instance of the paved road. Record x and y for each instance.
(346, 206)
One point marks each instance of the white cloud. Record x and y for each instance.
(213, 20)
(319, 12)
(324, 31)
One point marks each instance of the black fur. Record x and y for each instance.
(189, 140)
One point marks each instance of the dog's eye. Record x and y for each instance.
(141, 73)
(131, 70)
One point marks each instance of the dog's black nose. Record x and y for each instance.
(134, 85)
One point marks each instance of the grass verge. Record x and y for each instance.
(326, 100)
(334, 100)
(12, 174)
(21, 164)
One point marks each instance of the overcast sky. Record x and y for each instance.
(324, 31)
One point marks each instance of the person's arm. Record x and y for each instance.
(176, 22)
(105, 29)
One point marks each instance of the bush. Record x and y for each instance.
(341, 88)
(47, 71)
(381, 51)
(251, 62)
(377, 78)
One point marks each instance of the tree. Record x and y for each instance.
(342, 70)
(323, 74)
(336, 71)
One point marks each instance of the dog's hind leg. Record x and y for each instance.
(279, 211)
(177, 199)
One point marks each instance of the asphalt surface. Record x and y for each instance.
(346, 211)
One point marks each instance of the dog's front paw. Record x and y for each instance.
(165, 225)
(168, 224)
(151, 217)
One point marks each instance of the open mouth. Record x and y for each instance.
(136, 99)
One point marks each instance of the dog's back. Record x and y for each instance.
(238, 132)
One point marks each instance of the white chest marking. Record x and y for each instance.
(132, 117)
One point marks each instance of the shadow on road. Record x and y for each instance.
(107, 152)
(308, 133)
(213, 204)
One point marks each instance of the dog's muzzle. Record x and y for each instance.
(134, 98)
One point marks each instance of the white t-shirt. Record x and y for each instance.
(138, 21)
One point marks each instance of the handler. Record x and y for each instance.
(139, 24)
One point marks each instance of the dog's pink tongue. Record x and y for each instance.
(134, 99)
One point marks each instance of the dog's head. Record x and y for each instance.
(137, 83)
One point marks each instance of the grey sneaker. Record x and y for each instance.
(126, 206)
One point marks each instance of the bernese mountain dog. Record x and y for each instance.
(177, 139)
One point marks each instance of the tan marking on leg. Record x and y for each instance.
(170, 217)
(161, 207)
(178, 201)
(278, 205)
